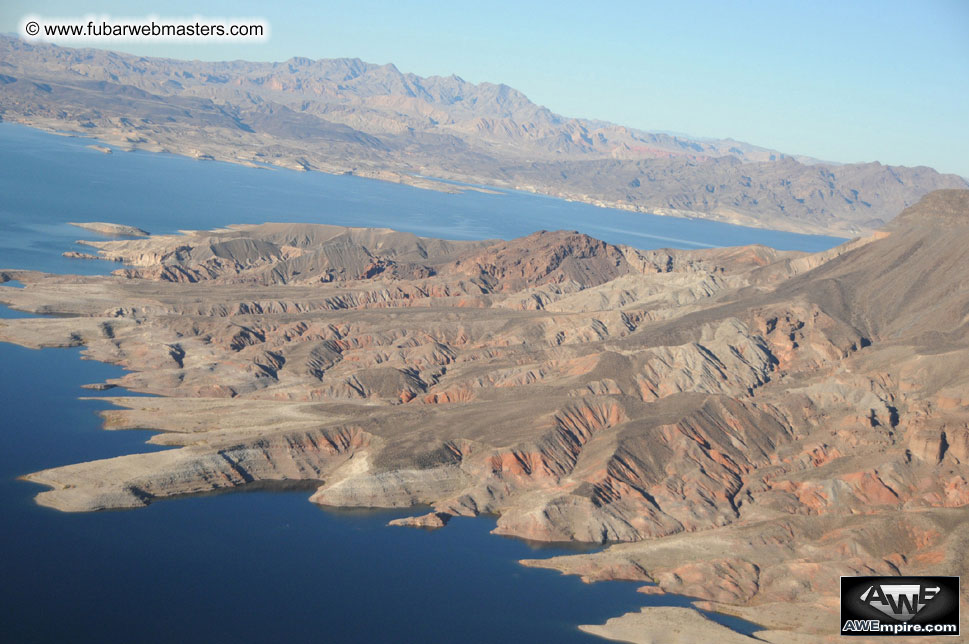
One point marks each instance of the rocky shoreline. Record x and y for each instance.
(749, 424)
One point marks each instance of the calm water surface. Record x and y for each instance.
(48, 180)
(256, 566)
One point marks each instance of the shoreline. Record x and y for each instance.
(451, 184)
(575, 389)
(304, 488)
(111, 421)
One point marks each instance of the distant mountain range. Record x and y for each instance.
(348, 116)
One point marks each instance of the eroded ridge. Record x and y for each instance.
(769, 420)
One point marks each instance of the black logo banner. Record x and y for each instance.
(902, 606)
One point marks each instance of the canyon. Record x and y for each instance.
(739, 425)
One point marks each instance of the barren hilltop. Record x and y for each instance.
(771, 420)
(348, 116)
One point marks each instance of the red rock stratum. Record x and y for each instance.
(751, 423)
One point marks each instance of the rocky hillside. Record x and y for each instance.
(769, 420)
(347, 116)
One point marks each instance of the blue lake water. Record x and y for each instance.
(257, 566)
(48, 180)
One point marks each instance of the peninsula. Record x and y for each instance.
(769, 420)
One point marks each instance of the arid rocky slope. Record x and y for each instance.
(348, 116)
(751, 424)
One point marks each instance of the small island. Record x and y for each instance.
(117, 230)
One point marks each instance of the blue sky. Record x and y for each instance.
(846, 81)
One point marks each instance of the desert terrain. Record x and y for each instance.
(347, 116)
(739, 425)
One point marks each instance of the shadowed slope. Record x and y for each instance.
(770, 420)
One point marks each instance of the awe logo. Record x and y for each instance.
(901, 601)
(899, 606)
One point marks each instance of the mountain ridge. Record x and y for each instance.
(349, 116)
(769, 419)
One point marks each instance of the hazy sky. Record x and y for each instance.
(846, 81)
